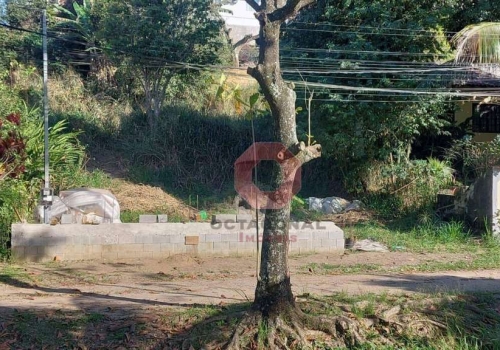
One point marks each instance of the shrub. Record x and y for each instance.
(20, 190)
(472, 159)
(408, 186)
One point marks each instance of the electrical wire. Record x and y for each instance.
(366, 70)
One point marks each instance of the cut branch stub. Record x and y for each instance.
(290, 170)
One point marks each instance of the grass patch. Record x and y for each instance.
(451, 237)
(487, 260)
(412, 321)
(9, 273)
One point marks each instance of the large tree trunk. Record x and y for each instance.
(274, 293)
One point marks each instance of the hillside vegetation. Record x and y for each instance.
(153, 111)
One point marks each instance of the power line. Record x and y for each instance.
(182, 65)
(414, 91)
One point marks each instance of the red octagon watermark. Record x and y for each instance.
(290, 167)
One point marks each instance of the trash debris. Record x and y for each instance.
(87, 205)
(333, 205)
(368, 245)
(355, 205)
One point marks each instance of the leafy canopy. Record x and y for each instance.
(160, 33)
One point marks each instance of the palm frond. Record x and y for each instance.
(478, 43)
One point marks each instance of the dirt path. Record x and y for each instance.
(183, 281)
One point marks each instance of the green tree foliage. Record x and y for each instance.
(466, 12)
(372, 37)
(77, 26)
(479, 43)
(23, 13)
(153, 39)
(22, 160)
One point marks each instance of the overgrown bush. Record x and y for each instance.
(407, 187)
(473, 159)
(23, 163)
(189, 151)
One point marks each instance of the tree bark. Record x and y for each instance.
(273, 293)
(238, 45)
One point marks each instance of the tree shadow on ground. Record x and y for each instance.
(100, 321)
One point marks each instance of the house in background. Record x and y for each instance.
(240, 20)
(483, 112)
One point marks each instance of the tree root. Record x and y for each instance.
(290, 329)
(246, 328)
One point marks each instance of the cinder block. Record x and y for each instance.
(108, 248)
(152, 247)
(229, 237)
(316, 243)
(340, 243)
(192, 240)
(178, 247)
(302, 243)
(143, 238)
(321, 249)
(337, 234)
(80, 240)
(163, 219)
(192, 249)
(221, 247)
(96, 249)
(244, 218)
(319, 235)
(51, 250)
(133, 247)
(31, 251)
(148, 219)
(18, 253)
(95, 240)
(177, 239)
(302, 235)
(37, 240)
(126, 239)
(223, 218)
(213, 237)
(67, 219)
(328, 243)
(58, 240)
(166, 247)
(160, 239)
(109, 239)
(243, 247)
(205, 247)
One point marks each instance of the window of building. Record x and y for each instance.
(486, 118)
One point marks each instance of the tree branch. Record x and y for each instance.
(246, 39)
(290, 10)
(308, 153)
(253, 4)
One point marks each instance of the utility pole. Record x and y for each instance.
(47, 191)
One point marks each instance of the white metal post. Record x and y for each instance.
(46, 192)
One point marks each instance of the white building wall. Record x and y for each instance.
(241, 21)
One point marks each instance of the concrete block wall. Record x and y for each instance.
(38, 242)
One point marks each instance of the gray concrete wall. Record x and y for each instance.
(38, 242)
(483, 202)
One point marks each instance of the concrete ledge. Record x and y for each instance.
(38, 242)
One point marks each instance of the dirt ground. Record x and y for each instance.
(185, 280)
